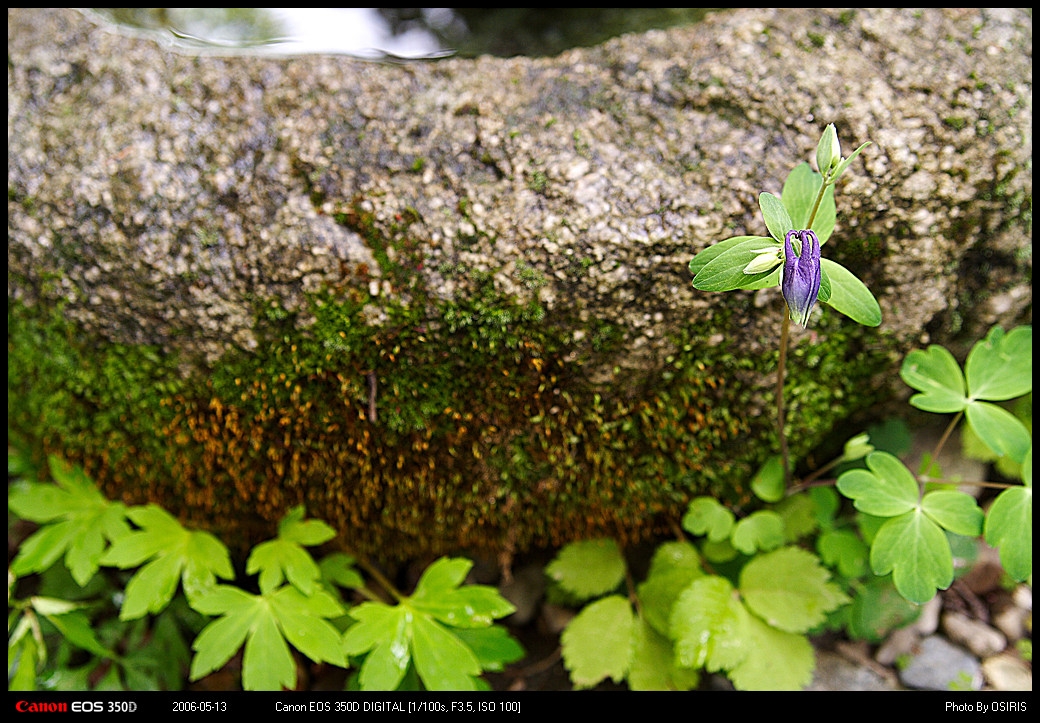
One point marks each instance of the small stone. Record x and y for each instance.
(941, 665)
(928, 622)
(975, 635)
(1006, 672)
(899, 643)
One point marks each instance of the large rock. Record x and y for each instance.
(446, 305)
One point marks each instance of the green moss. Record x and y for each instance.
(446, 426)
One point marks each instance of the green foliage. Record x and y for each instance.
(444, 631)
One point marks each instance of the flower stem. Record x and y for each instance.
(785, 332)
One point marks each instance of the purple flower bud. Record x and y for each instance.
(800, 279)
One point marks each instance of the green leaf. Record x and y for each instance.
(653, 664)
(799, 195)
(887, 490)
(761, 530)
(840, 168)
(878, 609)
(789, 589)
(999, 430)
(849, 295)
(725, 272)
(707, 516)
(303, 619)
(267, 662)
(338, 569)
(780, 660)
(196, 558)
(704, 256)
(936, 374)
(494, 646)
(768, 483)
(778, 221)
(222, 638)
(305, 532)
(597, 643)
(955, 511)
(915, 550)
(442, 661)
(77, 628)
(709, 626)
(588, 568)
(1009, 527)
(280, 559)
(845, 551)
(1000, 366)
(673, 567)
(384, 632)
(78, 522)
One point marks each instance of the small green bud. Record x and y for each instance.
(766, 259)
(828, 151)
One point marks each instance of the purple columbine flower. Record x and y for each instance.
(800, 279)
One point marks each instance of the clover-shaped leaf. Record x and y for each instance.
(935, 373)
(887, 490)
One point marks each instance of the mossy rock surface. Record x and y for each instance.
(446, 305)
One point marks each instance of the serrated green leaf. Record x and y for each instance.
(442, 661)
(887, 490)
(999, 430)
(588, 568)
(445, 573)
(936, 374)
(221, 639)
(777, 219)
(789, 589)
(707, 516)
(708, 625)
(653, 663)
(472, 606)
(781, 660)
(849, 295)
(768, 482)
(1000, 366)
(597, 643)
(725, 272)
(955, 511)
(1009, 528)
(673, 567)
(151, 588)
(304, 532)
(915, 550)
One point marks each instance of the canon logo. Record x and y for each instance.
(31, 706)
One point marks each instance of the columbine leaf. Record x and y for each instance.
(597, 643)
(789, 589)
(777, 219)
(799, 195)
(1009, 528)
(588, 568)
(223, 637)
(849, 295)
(936, 374)
(338, 569)
(305, 532)
(703, 257)
(840, 168)
(725, 272)
(385, 633)
(281, 559)
(845, 551)
(707, 516)
(1001, 366)
(915, 550)
(999, 430)
(761, 530)
(955, 511)
(887, 490)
